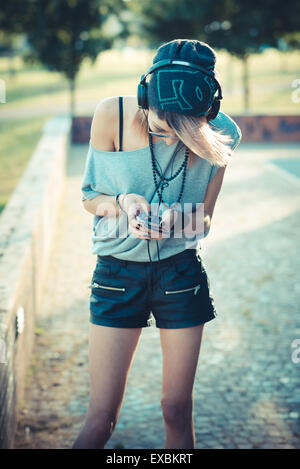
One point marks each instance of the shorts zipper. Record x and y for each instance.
(94, 284)
(196, 288)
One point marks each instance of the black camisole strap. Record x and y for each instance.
(120, 122)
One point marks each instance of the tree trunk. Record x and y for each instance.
(11, 68)
(229, 77)
(72, 102)
(246, 82)
(72, 98)
(283, 62)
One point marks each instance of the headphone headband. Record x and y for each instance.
(167, 62)
(142, 87)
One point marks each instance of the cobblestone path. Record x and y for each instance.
(246, 390)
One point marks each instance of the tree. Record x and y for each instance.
(251, 26)
(163, 20)
(10, 29)
(12, 14)
(242, 27)
(61, 34)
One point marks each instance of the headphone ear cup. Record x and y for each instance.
(142, 95)
(215, 107)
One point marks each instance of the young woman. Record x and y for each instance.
(171, 134)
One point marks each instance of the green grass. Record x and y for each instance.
(34, 89)
(18, 141)
(114, 73)
(270, 79)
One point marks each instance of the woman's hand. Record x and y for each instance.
(133, 205)
(168, 218)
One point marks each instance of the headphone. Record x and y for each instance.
(142, 91)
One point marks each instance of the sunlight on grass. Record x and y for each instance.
(18, 141)
(95, 81)
(271, 75)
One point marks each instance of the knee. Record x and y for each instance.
(101, 423)
(177, 412)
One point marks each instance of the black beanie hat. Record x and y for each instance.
(178, 88)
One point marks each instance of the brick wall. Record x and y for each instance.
(254, 128)
(269, 128)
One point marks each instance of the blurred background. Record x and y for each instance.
(58, 59)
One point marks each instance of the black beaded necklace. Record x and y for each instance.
(166, 180)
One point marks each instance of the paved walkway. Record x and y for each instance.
(247, 385)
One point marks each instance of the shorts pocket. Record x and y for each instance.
(191, 267)
(108, 286)
(182, 278)
(184, 290)
(106, 279)
(99, 286)
(107, 268)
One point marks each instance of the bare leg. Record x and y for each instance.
(111, 352)
(180, 349)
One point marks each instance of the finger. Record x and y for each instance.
(134, 210)
(139, 226)
(154, 234)
(138, 232)
(167, 220)
(167, 214)
(131, 215)
(136, 223)
(146, 207)
(143, 208)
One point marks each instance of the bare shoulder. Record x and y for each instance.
(105, 124)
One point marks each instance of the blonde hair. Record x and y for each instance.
(197, 135)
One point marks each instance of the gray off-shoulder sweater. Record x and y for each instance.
(109, 173)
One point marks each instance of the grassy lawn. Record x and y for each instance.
(33, 88)
(18, 141)
(114, 73)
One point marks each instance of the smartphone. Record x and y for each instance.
(152, 222)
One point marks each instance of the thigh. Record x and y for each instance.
(180, 350)
(111, 352)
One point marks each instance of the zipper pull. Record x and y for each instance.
(196, 289)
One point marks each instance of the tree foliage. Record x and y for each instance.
(63, 33)
(239, 26)
(12, 16)
(252, 25)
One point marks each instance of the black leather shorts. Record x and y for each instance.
(175, 290)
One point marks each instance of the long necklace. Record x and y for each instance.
(166, 180)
